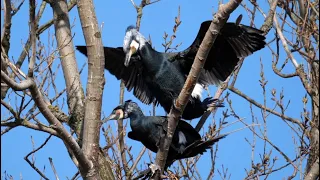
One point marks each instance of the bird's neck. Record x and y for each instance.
(136, 117)
(151, 58)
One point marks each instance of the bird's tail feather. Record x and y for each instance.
(199, 147)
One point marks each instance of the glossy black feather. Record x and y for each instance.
(133, 76)
(232, 43)
(150, 129)
(159, 77)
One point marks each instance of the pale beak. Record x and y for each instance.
(114, 116)
(133, 49)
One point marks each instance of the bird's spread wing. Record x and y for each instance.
(132, 76)
(233, 42)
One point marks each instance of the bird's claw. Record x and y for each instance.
(211, 102)
(154, 168)
(175, 107)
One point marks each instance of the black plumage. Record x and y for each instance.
(186, 141)
(157, 76)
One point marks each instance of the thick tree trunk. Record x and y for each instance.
(75, 94)
(95, 86)
(314, 132)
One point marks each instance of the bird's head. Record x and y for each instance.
(122, 111)
(117, 114)
(132, 42)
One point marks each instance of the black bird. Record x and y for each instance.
(186, 141)
(158, 76)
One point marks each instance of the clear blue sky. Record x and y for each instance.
(234, 152)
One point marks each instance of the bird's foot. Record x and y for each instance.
(154, 168)
(175, 107)
(211, 102)
(145, 174)
(180, 150)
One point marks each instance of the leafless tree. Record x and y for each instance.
(39, 104)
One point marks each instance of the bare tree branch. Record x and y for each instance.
(6, 33)
(25, 84)
(238, 92)
(34, 151)
(53, 169)
(298, 67)
(175, 112)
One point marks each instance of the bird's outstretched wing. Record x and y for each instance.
(133, 75)
(233, 42)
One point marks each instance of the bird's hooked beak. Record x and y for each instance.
(133, 49)
(115, 115)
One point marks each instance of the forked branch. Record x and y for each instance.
(175, 113)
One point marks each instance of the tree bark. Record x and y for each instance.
(95, 86)
(314, 132)
(75, 94)
(175, 113)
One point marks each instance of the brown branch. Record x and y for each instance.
(23, 53)
(201, 56)
(266, 27)
(101, 169)
(53, 169)
(15, 10)
(34, 151)
(137, 160)
(63, 133)
(313, 173)
(33, 25)
(268, 22)
(23, 85)
(45, 26)
(252, 101)
(298, 67)
(75, 93)
(28, 124)
(121, 134)
(39, 30)
(6, 32)
(139, 10)
(42, 105)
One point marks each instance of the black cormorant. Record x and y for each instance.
(186, 141)
(158, 76)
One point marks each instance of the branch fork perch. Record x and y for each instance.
(177, 109)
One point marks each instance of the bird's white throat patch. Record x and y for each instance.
(197, 91)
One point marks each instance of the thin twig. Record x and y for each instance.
(32, 152)
(53, 169)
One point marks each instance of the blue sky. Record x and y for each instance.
(234, 152)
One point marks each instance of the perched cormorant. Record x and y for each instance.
(186, 141)
(158, 76)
